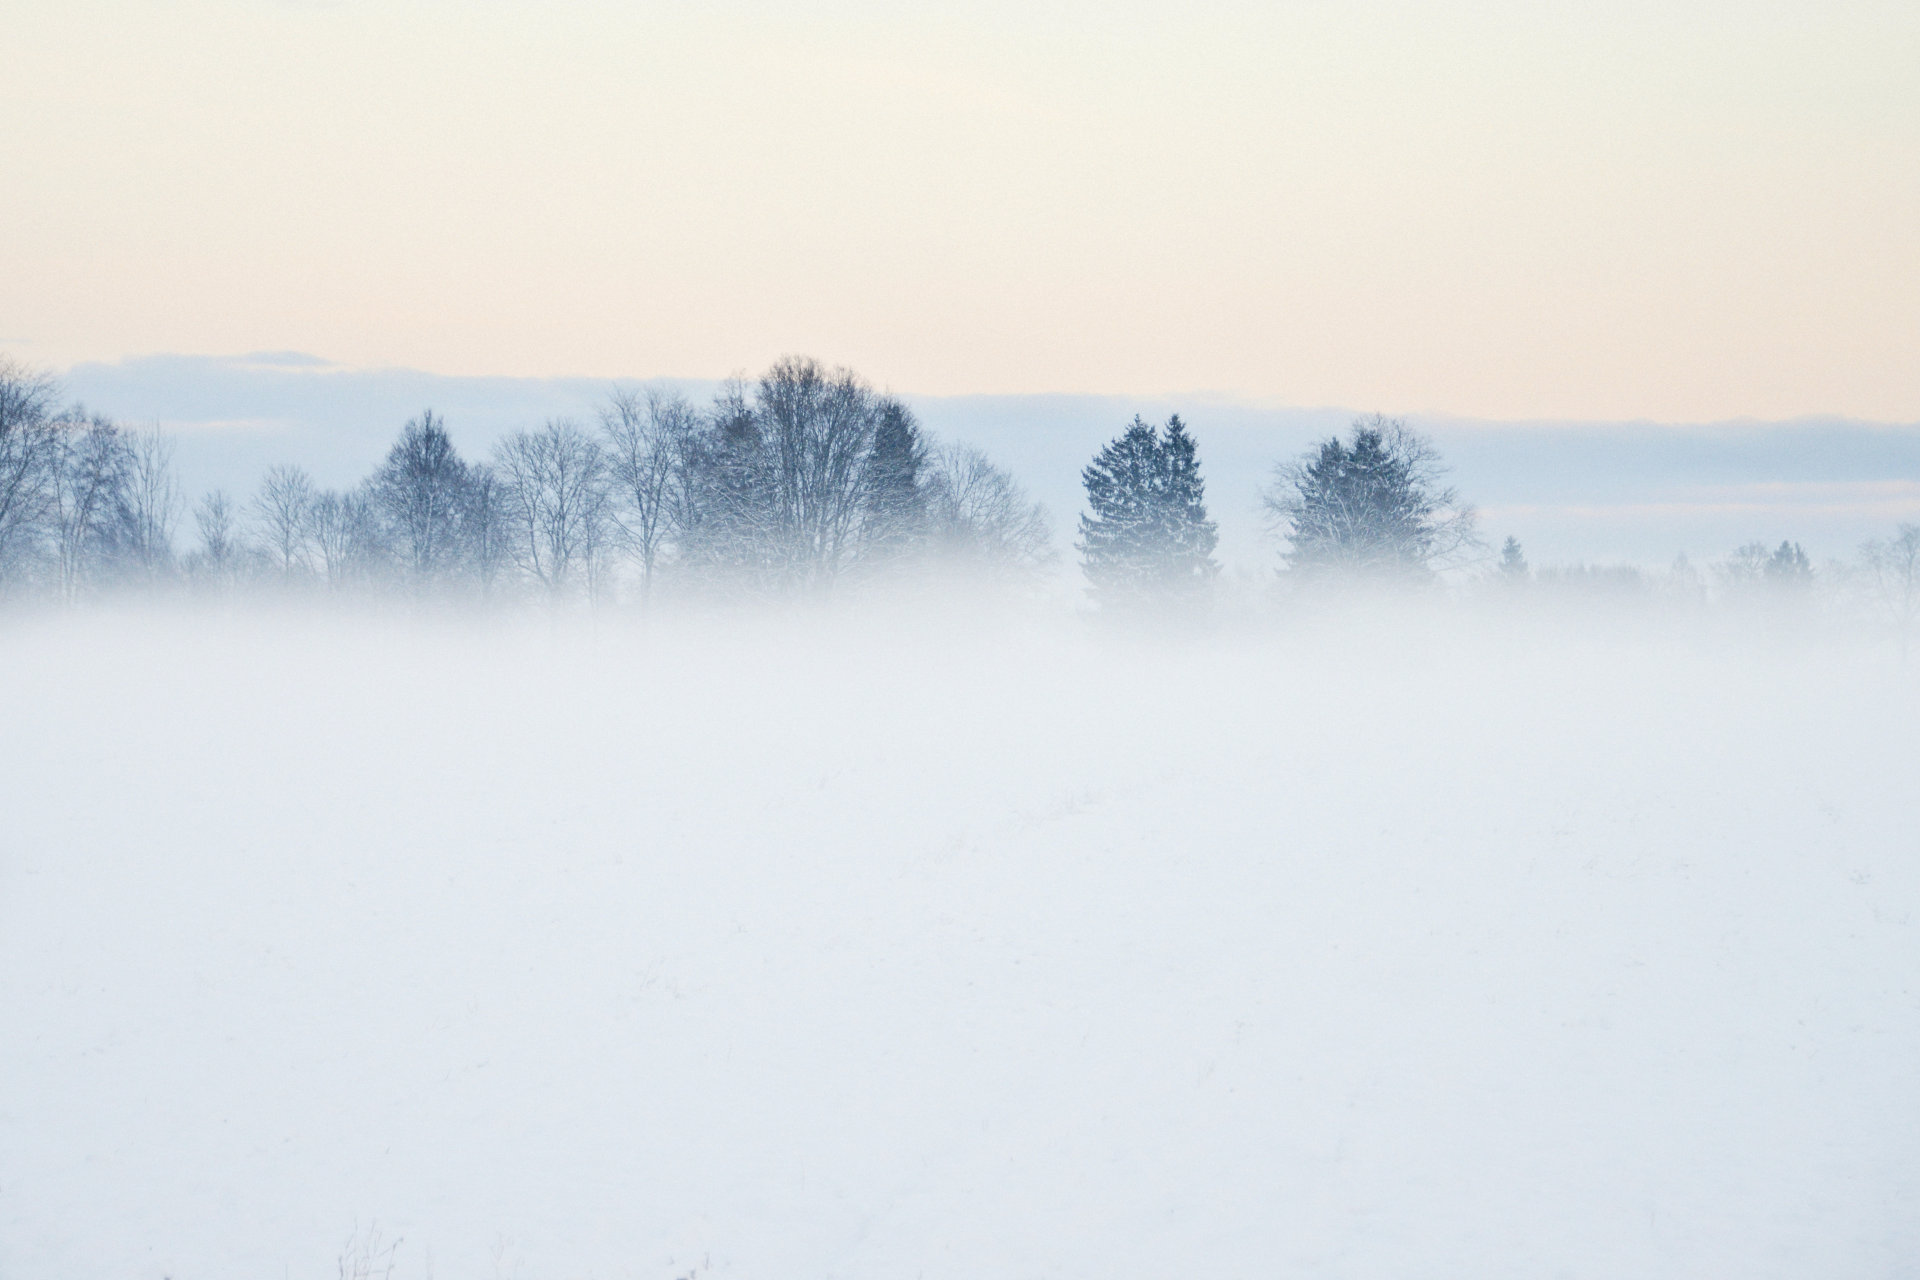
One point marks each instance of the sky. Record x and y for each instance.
(1633, 211)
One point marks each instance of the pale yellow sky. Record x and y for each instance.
(1671, 211)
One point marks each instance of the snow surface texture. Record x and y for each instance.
(1011, 950)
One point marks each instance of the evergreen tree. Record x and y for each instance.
(1754, 569)
(1183, 507)
(1513, 560)
(1147, 537)
(1789, 567)
(896, 502)
(1371, 505)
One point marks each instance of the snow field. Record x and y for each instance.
(775, 948)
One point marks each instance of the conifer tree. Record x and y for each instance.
(1190, 534)
(1513, 560)
(1147, 537)
(1789, 567)
(1371, 505)
(896, 502)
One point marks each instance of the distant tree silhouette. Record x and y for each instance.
(1146, 537)
(423, 496)
(1789, 567)
(644, 437)
(807, 478)
(1892, 581)
(217, 559)
(1513, 561)
(282, 513)
(555, 504)
(28, 440)
(1372, 505)
(1753, 571)
(346, 537)
(896, 495)
(153, 504)
(979, 519)
(90, 505)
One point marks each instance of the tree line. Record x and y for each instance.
(802, 482)
(1373, 509)
(1370, 507)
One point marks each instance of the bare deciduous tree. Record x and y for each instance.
(282, 509)
(816, 426)
(794, 481)
(153, 501)
(485, 526)
(218, 556)
(421, 491)
(720, 504)
(1892, 580)
(88, 498)
(28, 440)
(556, 501)
(1745, 569)
(646, 438)
(344, 532)
(979, 517)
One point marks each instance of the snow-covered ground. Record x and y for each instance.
(1018, 949)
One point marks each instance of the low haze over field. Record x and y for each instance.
(871, 948)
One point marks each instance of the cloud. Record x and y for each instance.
(281, 360)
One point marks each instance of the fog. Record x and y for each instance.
(1440, 939)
